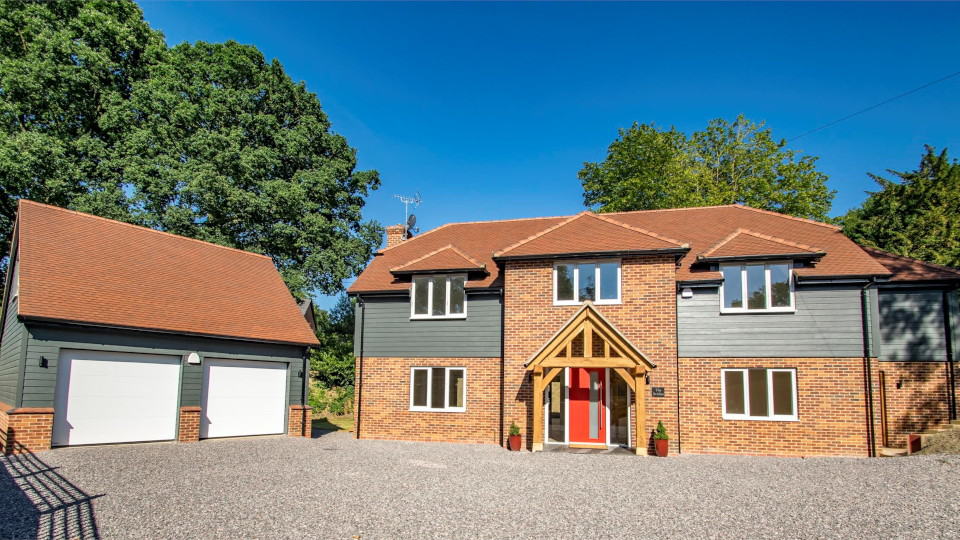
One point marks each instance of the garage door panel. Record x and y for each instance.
(243, 397)
(110, 397)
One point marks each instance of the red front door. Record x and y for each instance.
(587, 397)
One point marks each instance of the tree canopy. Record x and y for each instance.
(726, 163)
(206, 140)
(916, 215)
(333, 363)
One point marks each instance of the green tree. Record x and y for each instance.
(726, 163)
(332, 363)
(916, 215)
(204, 140)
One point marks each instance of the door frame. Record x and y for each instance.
(566, 411)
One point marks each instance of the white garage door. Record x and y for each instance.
(243, 397)
(111, 397)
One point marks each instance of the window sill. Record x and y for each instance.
(596, 303)
(444, 318)
(427, 409)
(756, 311)
(761, 418)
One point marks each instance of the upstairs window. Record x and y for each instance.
(596, 281)
(438, 297)
(756, 287)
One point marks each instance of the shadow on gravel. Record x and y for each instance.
(38, 502)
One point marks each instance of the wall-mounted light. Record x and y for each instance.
(686, 292)
(899, 384)
(646, 378)
(300, 374)
(43, 362)
(192, 358)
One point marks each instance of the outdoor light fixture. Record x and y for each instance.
(687, 292)
(192, 358)
(43, 361)
(646, 378)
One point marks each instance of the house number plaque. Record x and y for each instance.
(657, 391)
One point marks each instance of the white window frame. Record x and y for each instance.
(766, 276)
(429, 314)
(746, 395)
(446, 391)
(596, 274)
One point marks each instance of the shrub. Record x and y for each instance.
(661, 433)
(337, 400)
(514, 428)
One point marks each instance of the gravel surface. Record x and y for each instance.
(337, 487)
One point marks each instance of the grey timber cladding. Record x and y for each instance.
(912, 325)
(389, 331)
(11, 351)
(826, 323)
(46, 341)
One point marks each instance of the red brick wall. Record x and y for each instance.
(384, 412)
(298, 421)
(646, 316)
(920, 403)
(28, 430)
(189, 430)
(831, 407)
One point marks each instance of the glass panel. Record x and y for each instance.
(587, 281)
(783, 393)
(758, 392)
(439, 306)
(420, 388)
(457, 297)
(456, 388)
(619, 407)
(557, 410)
(609, 284)
(732, 287)
(420, 290)
(756, 287)
(594, 404)
(436, 387)
(564, 282)
(733, 386)
(779, 285)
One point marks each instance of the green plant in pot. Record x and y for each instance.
(514, 437)
(661, 440)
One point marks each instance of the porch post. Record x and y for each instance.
(639, 397)
(537, 409)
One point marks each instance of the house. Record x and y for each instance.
(744, 331)
(117, 333)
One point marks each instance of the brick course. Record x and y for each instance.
(384, 412)
(298, 421)
(189, 430)
(647, 317)
(831, 405)
(27, 430)
(920, 403)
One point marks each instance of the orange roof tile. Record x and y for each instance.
(743, 242)
(588, 233)
(81, 268)
(701, 228)
(907, 269)
(446, 258)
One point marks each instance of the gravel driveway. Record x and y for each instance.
(337, 487)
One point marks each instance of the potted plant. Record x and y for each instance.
(661, 440)
(514, 437)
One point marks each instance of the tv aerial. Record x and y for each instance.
(410, 220)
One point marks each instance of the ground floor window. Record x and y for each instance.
(759, 394)
(438, 389)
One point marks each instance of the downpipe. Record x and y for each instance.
(867, 366)
(358, 402)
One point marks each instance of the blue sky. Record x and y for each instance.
(490, 109)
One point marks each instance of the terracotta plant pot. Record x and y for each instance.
(515, 443)
(662, 447)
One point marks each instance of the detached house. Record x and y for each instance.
(743, 331)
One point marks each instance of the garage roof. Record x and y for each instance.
(75, 267)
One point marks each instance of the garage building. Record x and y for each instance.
(114, 333)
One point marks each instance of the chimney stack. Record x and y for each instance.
(395, 235)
